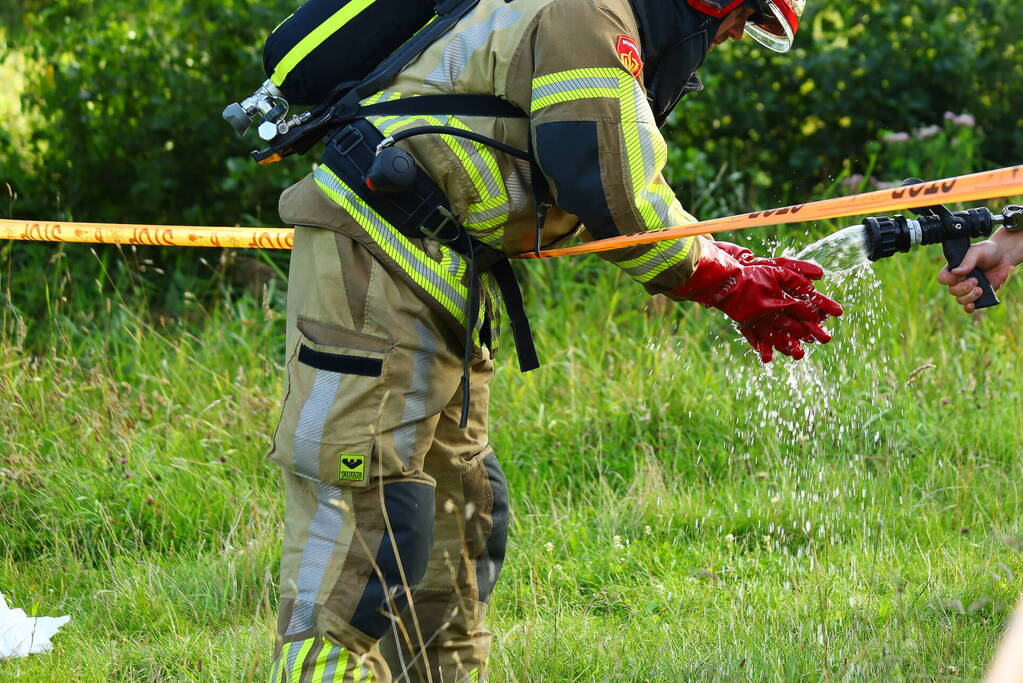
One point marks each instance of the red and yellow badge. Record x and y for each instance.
(628, 52)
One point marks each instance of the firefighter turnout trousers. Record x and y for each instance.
(396, 520)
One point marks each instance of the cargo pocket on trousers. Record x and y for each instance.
(336, 380)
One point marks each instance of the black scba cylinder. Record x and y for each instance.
(886, 236)
(326, 43)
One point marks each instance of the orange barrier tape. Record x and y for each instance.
(149, 235)
(1004, 182)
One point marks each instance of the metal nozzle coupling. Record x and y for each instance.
(886, 236)
(1012, 218)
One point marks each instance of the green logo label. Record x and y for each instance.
(353, 467)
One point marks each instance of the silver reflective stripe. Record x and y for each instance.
(293, 651)
(661, 207)
(476, 157)
(657, 262)
(460, 49)
(415, 400)
(312, 421)
(494, 238)
(330, 667)
(455, 267)
(387, 237)
(574, 84)
(515, 185)
(476, 217)
(646, 130)
(275, 674)
(323, 533)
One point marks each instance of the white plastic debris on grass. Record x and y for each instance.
(21, 635)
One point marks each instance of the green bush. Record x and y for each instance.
(787, 125)
(126, 98)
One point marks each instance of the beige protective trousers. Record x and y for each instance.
(396, 520)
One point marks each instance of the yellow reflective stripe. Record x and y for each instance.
(442, 281)
(630, 133)
(475, 174)
(643, 259)
(320, 670)
(575, 84)
(572, 74)
(672, 260)
(277, 675)
(392, 124)
(316, 37)
(358, 208)
(296, 671)
(571, 96)
(647, 154)
(382, 96)
(492, 196)
(490, 199)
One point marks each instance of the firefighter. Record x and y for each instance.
(396, 516)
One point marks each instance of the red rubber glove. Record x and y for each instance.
(773, 299)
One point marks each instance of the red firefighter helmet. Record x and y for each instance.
(774, 22)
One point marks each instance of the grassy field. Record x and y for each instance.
(681, 513)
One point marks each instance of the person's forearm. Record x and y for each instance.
(1011, 243)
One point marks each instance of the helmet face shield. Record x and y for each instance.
(774, 26)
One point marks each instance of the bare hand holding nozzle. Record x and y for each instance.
(995, 257)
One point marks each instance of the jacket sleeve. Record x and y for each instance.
(596, 141)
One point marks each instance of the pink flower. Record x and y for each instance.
(927, 132)
(891, 138)
(853, 182)
(967, 120)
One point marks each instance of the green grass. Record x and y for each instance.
(681, 513)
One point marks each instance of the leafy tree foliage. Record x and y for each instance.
(124, 101)
(786, 124)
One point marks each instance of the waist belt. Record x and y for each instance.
(422, 211)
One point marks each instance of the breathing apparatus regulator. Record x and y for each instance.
(886, 236)
(773, 24)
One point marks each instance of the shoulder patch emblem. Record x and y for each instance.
(628, 52)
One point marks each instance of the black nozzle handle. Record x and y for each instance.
(955, 252)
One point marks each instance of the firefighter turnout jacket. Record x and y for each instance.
(581, 70)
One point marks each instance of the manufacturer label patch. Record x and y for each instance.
(628, 52)
(353, 467)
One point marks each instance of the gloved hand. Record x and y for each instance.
(773, 299)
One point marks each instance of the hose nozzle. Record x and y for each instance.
(887, 236)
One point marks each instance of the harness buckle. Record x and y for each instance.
(347, 139)
(449, 220)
